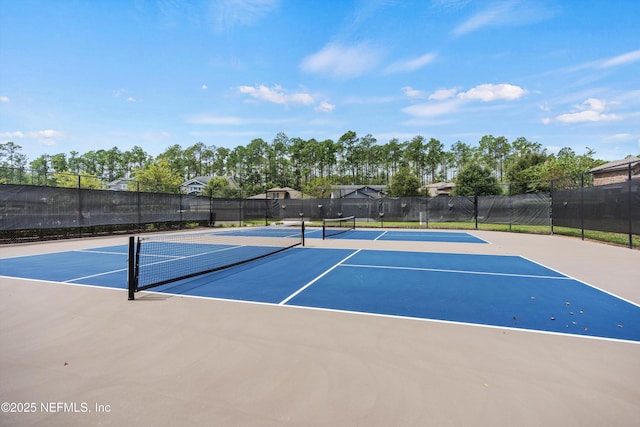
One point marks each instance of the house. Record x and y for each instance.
(195, 185)
(440, 189)
(616, 171)
(279, 193)
(121, 184)
(358, 191)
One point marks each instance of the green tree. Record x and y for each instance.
(319, 187)
(462, 153)
(157, 177)
(176, 159)
(59, 162)
(493, 151)
(219, 188)
(566, 168)
(392, 157)
(194, 157)
(11, 157)
(404, 183)
(69, 180)
(434, 156)
(476, 179)
(278, 159)
(524, 155)
(414, 154)
(349, 144)
(298, 161)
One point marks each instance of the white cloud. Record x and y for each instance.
(325, 107)
(508, 13)
(623, 59)
(4, 99)
(342, 62)
(12, 135)
(493, 15)
(204, 87)
(411, 64)
(442, 94)
(412, 93)
(131, 99)
(46, 134)
(46, 137)
(276, 95)
(591, 110)
(586, 116)
(491, 92)
(448, 101)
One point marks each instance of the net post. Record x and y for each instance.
(131, 268)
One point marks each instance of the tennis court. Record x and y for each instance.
(491, 290)
(459, 284)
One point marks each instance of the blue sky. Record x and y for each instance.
(86, 75)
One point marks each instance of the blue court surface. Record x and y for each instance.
(359, 234)
(408, 236)
(491, 290)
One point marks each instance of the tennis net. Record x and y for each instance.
(334, 226)
(159, 260)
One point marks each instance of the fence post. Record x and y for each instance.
(80, 220)
(180, 209)
(551, 204)
(582, 204)
(510, 208)
(426, 209)
(131, 277)
(139, 200)
(475, 205)
(630, 210)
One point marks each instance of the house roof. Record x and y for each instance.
(204, 180)
(372, 191)
(617, 165)
(293, 194)
(441, 185)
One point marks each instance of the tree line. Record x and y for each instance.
(314, 165)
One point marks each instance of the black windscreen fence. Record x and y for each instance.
(609, 208)
(25, 207)
(612, 207)
(523, 209)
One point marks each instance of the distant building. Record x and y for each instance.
(121, 184)
(279, 193)
(358, 191)
(616, 171)
(195, 185)
(440, 189)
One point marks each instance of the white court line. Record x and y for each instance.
(96, 275)
(582, 281)
(83, 285)
(381, 235)
(283, 302)
(440, 270)
(91, 251)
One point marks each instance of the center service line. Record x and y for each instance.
(286, 300)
